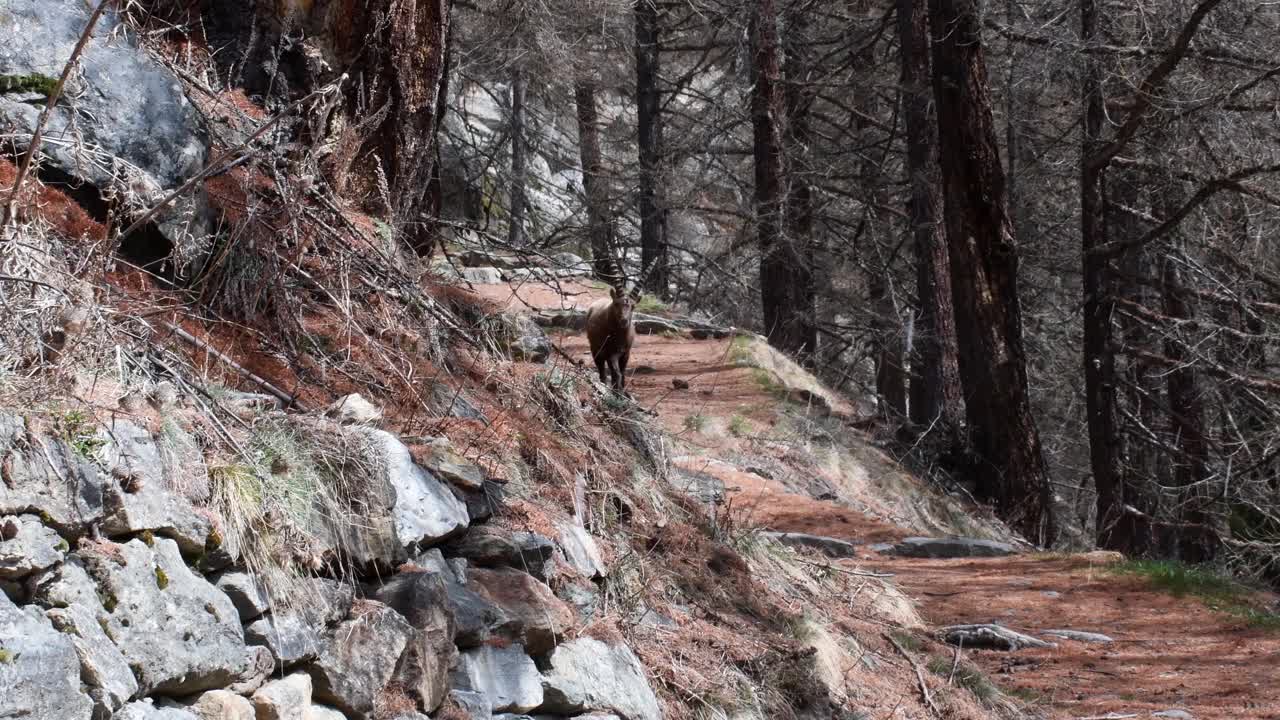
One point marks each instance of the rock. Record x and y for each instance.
(582, 595)
(458, 566)
(990, 636)
(951, 547)
(286, 699)
(482, 275)
(679, 384)
(246, 593)
(145, 136)
(472, 704)
(422, 598)
(653, 325)
(571, 262)
(488, 546)
(484, 504)
(350, 677)
(452, 402)
(261, 666)
(433, 560)
(144, 494)
(289, 636)
(46, 477)
(425, 511)
(536, 617)
(484, 258)
(67, 584)
(323, 712)
(581, 551)
(586, 674)
(39, 668)
(221, 705)
(506, 676)
(1079, 636)
(180, 634)
(529, 342)
(438, 456)
(1176, 714)
(103, 668)
(29, 547)
(147, 710)
(703, 486)
(831, 547)
(353, 409)
(476, 618)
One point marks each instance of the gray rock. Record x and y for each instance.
(68, 584)
(951, 547)
(284, 699)
(1177, 714)
(180, 634)
(432, 559)
(586, 674)
(30, 547)
(422, 598)
(489, 546)
(1079, 636)
(246, 593)
(458, 567)
(996, 637)
(485, 258)
(536, 618)
(354, 409)
(485, 503)
(581, 551)
(528, 341)
(582, 595)
(323, 712)
(147, 488)
(702, 486)
(473, 704)
(290, 636)
(452, 402)
(425, 511)
(477, 619)
(147, 710)
(39, 668)
(572, 262)
(482, 275)
(831, 547)
(221, 705)
(506, 676)
(438, 456)
(262, 665)
(350, 677)
(103, 668)
(653, 325)
(47, 477)
(129, 128)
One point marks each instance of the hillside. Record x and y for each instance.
(262, 456)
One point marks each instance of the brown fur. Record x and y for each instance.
(611, 334)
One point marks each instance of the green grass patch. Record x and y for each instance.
(650, 304)
(77, 428)
(738, 426)
(908, 640)
(967, 676)
(34, 83)
(695, 422)
(1216, 590)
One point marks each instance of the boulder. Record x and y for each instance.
(146, 491)
(424, 509)
(438, 456)
(47, 477)
(180, 634)
(506, 676)
(134, 130)
(284, 699)
(221, 705)
(572, 262)
(476, 618)
(353, 409)
(246, 593)
(433, 560)
(422, 598)
(951, 547)
(148, 710)
(489, 546)
(996, 637)
(484, 503)
(700, 485)
(482, 275)
(536, 618)
(103, 668)
(68, 584)
(452, 402)
(581, 551)
(39, 668)
(829, 546)
(27, 546)
(587, 674)
(528, 342)
(473, 705)
(347, 674)
(290, 637)
(262, 665)
(323, 712)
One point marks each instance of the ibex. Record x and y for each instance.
(611, 333)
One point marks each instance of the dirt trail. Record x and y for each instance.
(1168, 653)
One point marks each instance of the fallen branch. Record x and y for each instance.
(924, 688)
(284, 397)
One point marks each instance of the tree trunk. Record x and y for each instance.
(594, 185)
(984, 265)
(653, 213)
(935, 384)
(515, 230)
(799, 216)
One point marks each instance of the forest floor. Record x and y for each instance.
(1171, 656)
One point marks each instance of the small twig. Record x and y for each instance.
(924, 689)
(11, 208)
(284, 397)
(858, 573)
(955, 663)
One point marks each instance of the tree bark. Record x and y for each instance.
(594, 184)
(984, 265)
(799, 216)
(653, 213)
(515, 229)
(936, 394)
